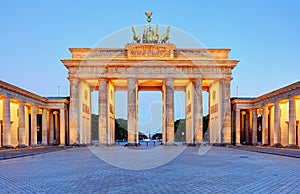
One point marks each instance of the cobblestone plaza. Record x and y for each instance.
(221, 170)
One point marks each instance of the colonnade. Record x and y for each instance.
(274, 123)
(28, 124)
(106, 105)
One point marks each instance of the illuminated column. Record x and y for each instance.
(132, 110)
(198, 112)
(6, 123)
(277, 124)
(51, 132)
(33, 126)
(292, 122)
(62, 127)
(265, 125)
(163, 128)
(22, 125)
(102, 111)
(170, 112)
(237, 126)
(247, 127)
(74, 111)
(44, 127)
(56, 127)
(254, 126)
(226, 112)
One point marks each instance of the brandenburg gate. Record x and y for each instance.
(150, 64)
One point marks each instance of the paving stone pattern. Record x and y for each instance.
(221, 170)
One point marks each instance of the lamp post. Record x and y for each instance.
(182, 133)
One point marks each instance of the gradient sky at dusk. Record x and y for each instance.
(263, 35)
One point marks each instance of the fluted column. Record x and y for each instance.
(103, 112)
(51, 132)
(56, 127)
(170, 111)
(132, 109)
(265, 125)
(276, 124)
(6, 123)
(44, 127)
(226, 112)
(237, 126)
(74, 111)
(292, 122)
(62, 130)
(22, 125)
(198, 112)
(33, 126)
(254, 126)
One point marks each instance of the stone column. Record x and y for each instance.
(6, 123)
(292, 122)
(22, 125)
(51, 132)
(276, 124)
(132, 122)
(33, 126)
(163, 128)
(170, 112)
(237, 126)
(265, 126)
(247, 127)
(62, 127)
(198, 112)
(44, 127)
(103, 112)
(254, 126)
(56, 127)
(74, 111)
(226, 110)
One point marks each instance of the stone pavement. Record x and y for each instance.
(221, 170)
(28, 151)
(272, 150)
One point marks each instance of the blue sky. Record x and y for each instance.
(263, 35)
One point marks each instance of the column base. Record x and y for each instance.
(292, 146)
(22, 146)
(255, 144)
(132, 145)
(169, 144)
(238, 145)
(8, 146)
(277, 145)
(34, 145)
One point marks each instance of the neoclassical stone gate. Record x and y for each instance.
(154, 67)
